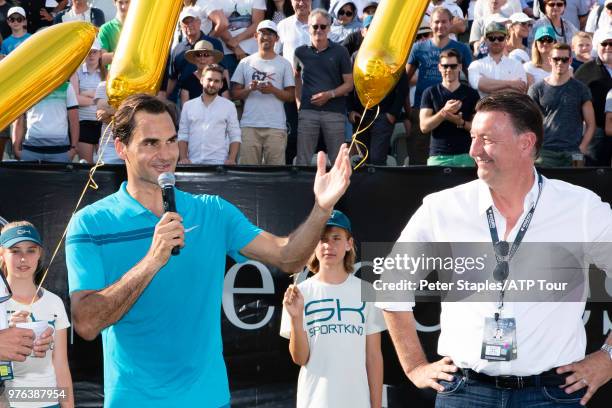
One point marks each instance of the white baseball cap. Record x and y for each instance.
(267, 24)
(16, 10)
(194, 12)
(521, 18)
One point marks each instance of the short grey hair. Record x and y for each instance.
(321, 12)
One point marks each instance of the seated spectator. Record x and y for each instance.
(576, 11)
(239, 38)
(353, 41)
(201, 55)
(212, 20)
(582, 46)
(494, 11)
(40, 12)
(18, 23)
(264, 80)
(111, 30)
(447, 110)
(377, 136)
(323, 78)
(565, 103)
(520, 25)
(179, 69)
(5, 30)
(497, 72)
(539, 67)
(104, 113)
(277, 10)
(209, 132)
(85, 82)
(22, 263)
(596, 75)
(600, 17)
(345, 21)
(562, 28)
(80, 11)
(458, 23)
(51, 128)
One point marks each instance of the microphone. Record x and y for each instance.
(166, 183)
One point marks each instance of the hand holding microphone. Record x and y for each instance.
(166, 183)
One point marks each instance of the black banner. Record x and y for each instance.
(379, 203)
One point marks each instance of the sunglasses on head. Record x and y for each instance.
(606, 44)
(323, 27)
(546, 40)
(559, 4)
(564, 60)
(449, 66)
(498, 38)
(502, 269)
(16, 19)
(347, 13)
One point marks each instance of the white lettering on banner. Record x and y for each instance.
(229, 290)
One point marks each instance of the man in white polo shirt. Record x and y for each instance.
(510, 203)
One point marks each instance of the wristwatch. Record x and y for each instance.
(608, 349)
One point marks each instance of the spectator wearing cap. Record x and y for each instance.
(596, 75)
(49, 130)
(353, 41)
(18, 23)
(40, 12)
(446, 111)
(562, 28)
(323, 78)
(178, 67)
(81, 11)
(5, 30)
(345, 21)
(264, 81)
(582, 46)
(458, 23)
(569, 119)
(496, 13)
(519, 27)
(111, 30)
(378, 135)
(600, 17)
(209, 132)
(497, 72)
(539, 67)
(576, 11)
(202, 54)
(85, 81)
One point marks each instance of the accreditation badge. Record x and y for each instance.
(6, 370)
(499, 342)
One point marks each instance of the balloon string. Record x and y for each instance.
(90, 183)
(356, 142)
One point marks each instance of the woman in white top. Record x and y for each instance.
(553, 12)
(333, 334)
(345, 21)
(518, 31)
(539, 67)
(21, 262)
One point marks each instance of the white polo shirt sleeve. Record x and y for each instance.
(184, 123)
(474, 73)
(233, 126)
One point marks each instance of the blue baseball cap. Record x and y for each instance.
(19, 234)
(367, 21)
(338, 219)
(545, 31)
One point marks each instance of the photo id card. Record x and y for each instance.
(499, 342)
(6, 370)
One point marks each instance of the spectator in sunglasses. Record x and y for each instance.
(539, 67)
(518, 31)
(576, 11)
(345, 22)
(17, 22)
(563, 29)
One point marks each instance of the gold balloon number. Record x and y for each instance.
(384, 51)
(141, 53)
(41, 64)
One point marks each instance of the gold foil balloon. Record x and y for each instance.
(40, 64)
(383, 53)
(140, 57)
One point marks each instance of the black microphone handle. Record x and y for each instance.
(170, 206)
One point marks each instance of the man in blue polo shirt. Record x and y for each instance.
(160, 315)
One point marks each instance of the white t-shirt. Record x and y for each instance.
(38, 372)
(238, 13)
(519, 55)
(538, 73)
(109, 155)
(264, 110)
(47, 121)
(336, 322)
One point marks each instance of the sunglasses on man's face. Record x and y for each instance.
(449, 66)
(564, 60)
(559, 4)
(347, 13)
(496, 38)
(546, 40)
(323, 27)
(606, 44)
(16, 19)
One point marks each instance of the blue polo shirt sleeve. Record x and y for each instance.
(83, 257)
(239, 231)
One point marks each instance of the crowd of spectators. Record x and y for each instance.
(286, 87)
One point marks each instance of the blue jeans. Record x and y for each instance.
(464, 393)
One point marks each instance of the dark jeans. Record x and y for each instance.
(377, 138)
(464, 393)
(600, 149)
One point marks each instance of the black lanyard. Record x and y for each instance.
(555, 29)
(517, 241)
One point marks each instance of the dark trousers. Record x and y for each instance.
(377, 138)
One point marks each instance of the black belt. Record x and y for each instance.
(548, 378)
